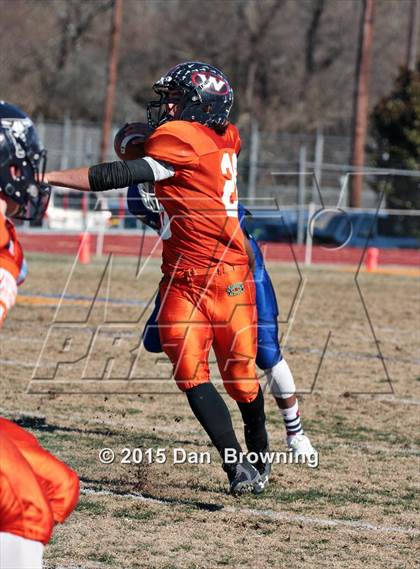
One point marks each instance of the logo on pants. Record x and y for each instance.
(235, 289)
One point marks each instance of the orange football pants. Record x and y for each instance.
(205, 308)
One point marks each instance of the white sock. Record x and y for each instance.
(19, 553)
(292, 422)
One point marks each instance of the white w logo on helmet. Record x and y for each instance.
(209, 82)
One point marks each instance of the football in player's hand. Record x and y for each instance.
(129, 140)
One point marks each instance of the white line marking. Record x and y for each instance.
(27, 365)
(270, 514)
(375, 448)
(392, 399)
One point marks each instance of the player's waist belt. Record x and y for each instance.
(220, 269)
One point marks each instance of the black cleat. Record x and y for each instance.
(243, 478)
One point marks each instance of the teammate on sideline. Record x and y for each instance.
(23, 195)
(36, 492)
(142, 203)
(207, 291)
(36, 489)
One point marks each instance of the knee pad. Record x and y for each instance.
(187, 375)
(188, 370)
(240, 380)
(280, 380)
(242, 391)
(187, 384)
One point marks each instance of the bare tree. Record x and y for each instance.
(257, 19)
(291, 62)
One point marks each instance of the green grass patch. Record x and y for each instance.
(101, 557)
(90, 507)
(137, 513)
(132, 411)
(365, 434)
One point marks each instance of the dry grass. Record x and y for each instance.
(368, 452)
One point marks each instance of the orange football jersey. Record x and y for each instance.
(59, 482)
(200, 226)
(11, 254)
(24, 508)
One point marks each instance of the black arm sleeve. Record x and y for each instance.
(110, 175)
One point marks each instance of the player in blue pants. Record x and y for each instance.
(143, 204)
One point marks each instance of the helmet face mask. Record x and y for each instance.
(22, 164)
(169, 106)
(197, 91)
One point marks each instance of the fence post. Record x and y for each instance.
(100, 236)
(78, 145)
(319, 156)
(344, 190)
(253, 160)
(40, 126)
(308, 248)
(88, 150)
(64, 163)
(301, 194)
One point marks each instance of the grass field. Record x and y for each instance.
(358, 509)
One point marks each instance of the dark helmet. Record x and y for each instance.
(22, 163)
(199, 92)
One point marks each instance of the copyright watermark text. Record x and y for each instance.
(179, 455)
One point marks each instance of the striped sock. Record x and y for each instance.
(292, 422)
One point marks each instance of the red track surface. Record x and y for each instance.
(123, 244)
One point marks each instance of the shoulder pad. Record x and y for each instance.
(175, 143)
(233, 136)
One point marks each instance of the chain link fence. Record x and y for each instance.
(282, 168)
(74, 143)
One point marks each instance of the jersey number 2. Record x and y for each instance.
(229, 166)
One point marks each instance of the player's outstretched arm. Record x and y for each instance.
(102, 177)
(76, 178)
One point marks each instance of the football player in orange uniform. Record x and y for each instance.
(23, 195)
(36, 492)
(207, 290)
(142, 203)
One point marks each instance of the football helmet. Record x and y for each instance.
(22, 163)
(192, 91)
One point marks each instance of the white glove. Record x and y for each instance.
(8, 293)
